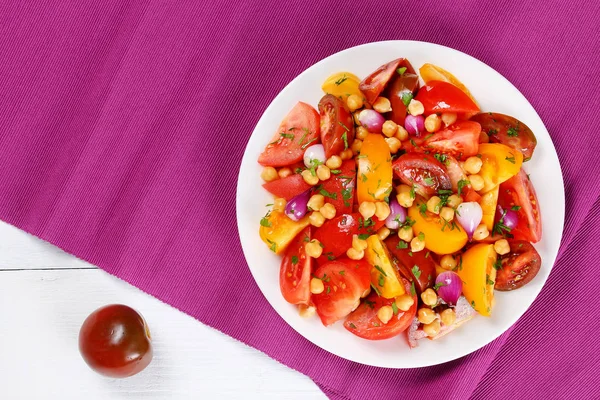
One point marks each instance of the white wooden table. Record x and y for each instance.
(45, 294)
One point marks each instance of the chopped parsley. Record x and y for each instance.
(342, 272)
(341, 80)
(395, 308)
(488, 280)
(288, 135)
(328, 194)
(428, 181)
(305, 145)
(273, 246)
(351, 325)
(512, 132)
(442, 158)
(498, 264)
(416, 271)
(347, 195)
(363, 236)
(402, 245)
(412, 289)
(515, 208)
(492, 131)
(345, 138)
(406, 98)
(401, 70)
(265, 220)
(412, 192)
(378, 268)
(423, 209)
(421, 236)
(363, 177)
(381, 281)
(510, 159)
(438, 285)
(473, 303)
(294, 260)
(370, 304)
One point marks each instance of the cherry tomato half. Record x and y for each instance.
(337, 125)
(115, 341)
(518, 194)
(296, 267)
(444, 97)
(364, 323)
(417, 267)
(345, 282)
(507, 130)
(426, 173)
(298, 130)
(519, 266)
(374, 84)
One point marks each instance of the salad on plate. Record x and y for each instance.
(399, 205)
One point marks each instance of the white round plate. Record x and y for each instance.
(494, 93)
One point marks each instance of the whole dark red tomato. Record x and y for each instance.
(115, 341)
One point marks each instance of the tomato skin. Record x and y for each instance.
(336, 234)
(460, 140)
(440, 97)
(374, 169)
(497, 127)
(430, 72)
(519, 266)
(439, 238)
(342, 85)
(115, 341)
(424, 171)
(303, 123)
(519, 191)
(364, 323)
(298, 272)
(374, 84)
(287, 187)
(408, 82)
(345, 281)
(406, 260)
(478, 275)
(344, 187)
(280, 231)
(336, 121)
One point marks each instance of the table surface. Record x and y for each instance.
(45, 294)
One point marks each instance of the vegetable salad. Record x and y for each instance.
(399, 206)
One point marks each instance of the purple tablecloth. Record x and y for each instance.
(122, 124)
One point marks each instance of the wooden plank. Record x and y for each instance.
(41, 313)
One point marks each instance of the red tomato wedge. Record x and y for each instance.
(507, 130)
(402, 87)
(417, 267)
(337, 125)
(518, 193)
(298, 130)
(460, 140)
(457, 174)
(364, 323)
(518, 267)
(374, 84)
(345, 282)
(339, 189)
(296, 267)
(426, 173)
(444, 97)
(287, 187)
(336, 234)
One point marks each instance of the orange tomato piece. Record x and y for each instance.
(374, 178)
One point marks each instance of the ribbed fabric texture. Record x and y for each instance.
(122, 124)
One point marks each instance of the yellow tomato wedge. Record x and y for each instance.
(277, 230)
(440, 237)
(374, 170)
(488, 204)
(384, 275)
(500, 163)
(430, 72)
(342, 85)
(478, 275)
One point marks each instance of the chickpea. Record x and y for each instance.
(389, 128)
(316, 201)
(394, 144)
(313, 249)
(385, 314)
(334, 162)
(401, 133)
(316, 286)
(383, 232)
(316, 219)
(473, 165)
(306, 311)
(433, 123)
(405, 233)
(481, 232)
(448, 317)
(323, 172)
(429, 297)
(448, 262)
(309, 177)
(404, 302)
(347, 154)
(502, 247)
(382, 105)
(367, 209)
(361, 133)
(354, 102)
(476, 181)
(454, 201)
(433, 204)
(284, 172)
(449, 118)
(382, 210)
(415, 107)
(279, 204)
(426, 315)
(358, 244)
(416, 244)
(356, 146)
(447, 213)
(432, 329)
(354, 254)
(328, 211)
(269, 174)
